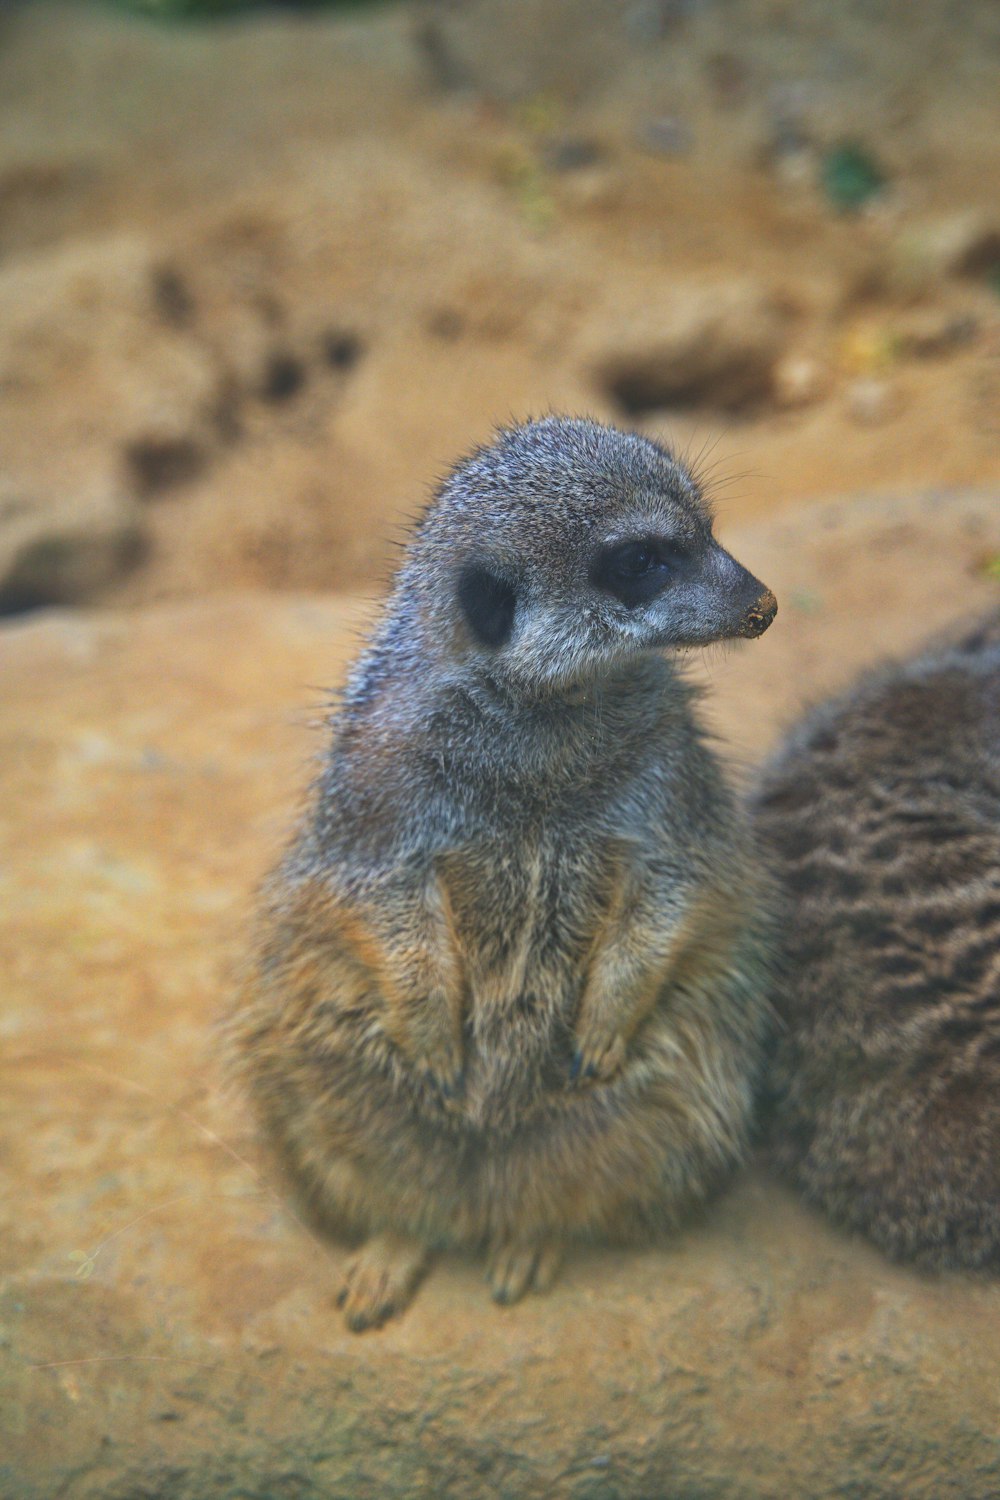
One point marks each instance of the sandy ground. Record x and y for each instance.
(260, 281)
(167, 1327)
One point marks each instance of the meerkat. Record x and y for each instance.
(883, 815)
(510, 986)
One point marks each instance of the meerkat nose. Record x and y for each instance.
(759, 616)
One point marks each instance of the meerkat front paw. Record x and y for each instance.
(518, 1266)
(597, 1059)
(434, 1053)
(381, 1279)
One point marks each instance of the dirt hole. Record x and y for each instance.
(172, 298)
(341, 349)
(284, 377)
(738, 388)
(161, 463)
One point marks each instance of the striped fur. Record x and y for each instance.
(883, 813)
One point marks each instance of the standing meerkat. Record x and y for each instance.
(883, 814)
(511, 980)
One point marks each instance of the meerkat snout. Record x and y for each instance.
(760, 616)
(735, 603)
(682, 592)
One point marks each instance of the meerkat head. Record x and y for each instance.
(567, 547)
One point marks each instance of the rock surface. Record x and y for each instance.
(708, 343)
(166, 1326)
(266, 328)
(66, 544)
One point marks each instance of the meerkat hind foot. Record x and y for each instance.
(518, 1266)
(380, 1280)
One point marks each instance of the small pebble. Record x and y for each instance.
(870, 401)
(798, 380)
(728, 78)
(788, 108)
(651, 20)
(666, 136)
(341, 348)
(868, 348)
(570, 154)
(789, 150)
(850, 176)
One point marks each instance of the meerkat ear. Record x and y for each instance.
(488, 603)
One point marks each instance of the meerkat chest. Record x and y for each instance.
(524, 922)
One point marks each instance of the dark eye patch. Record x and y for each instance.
(488, 603)
(636, 571)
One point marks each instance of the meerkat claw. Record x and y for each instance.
(380, 1280)
(436, 1063)
(519, 1266)
(452, 1094)
(598, 1064)
(582, 1069)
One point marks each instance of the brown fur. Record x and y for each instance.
(510, 982)
(884, 815)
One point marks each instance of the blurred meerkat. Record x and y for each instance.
(883, 811)
(510, 982)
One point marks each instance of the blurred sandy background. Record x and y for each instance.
(262, 277)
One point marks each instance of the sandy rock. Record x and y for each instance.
(555, 47)
(257, 378)
(966, 243)
(61, 547)
(705, 344)
(930, 333)
(105, 402)
(800, 380)
(177, 264)
(167, 1327)
(871, 400)
(89, 355)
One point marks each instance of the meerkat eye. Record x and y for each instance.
(634, 572)
(633, 560)
(488, 603)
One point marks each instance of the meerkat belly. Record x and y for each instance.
(525, 925)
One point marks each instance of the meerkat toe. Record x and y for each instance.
(380, 1280)
(550, 1259)
(597, 1061)
(517, 1266)
(511, 1269)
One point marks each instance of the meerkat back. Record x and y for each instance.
(883, 814)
